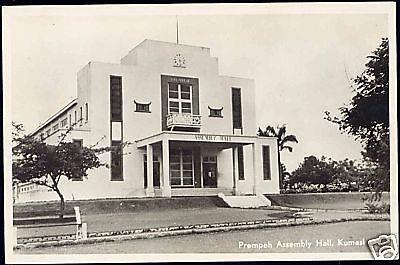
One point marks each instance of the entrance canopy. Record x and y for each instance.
(221, 140)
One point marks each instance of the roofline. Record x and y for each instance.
(168, 42)
(56, 115)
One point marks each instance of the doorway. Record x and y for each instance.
(209, 169)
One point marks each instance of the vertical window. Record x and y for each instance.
(241, 163)
(76, 117)
(116, 161)
(181, 168)
(236, 108)
(70, 120)
(80, 114)
(116, 98)
(266, 162)
(79, 144)
(87, 111)
(180, 98)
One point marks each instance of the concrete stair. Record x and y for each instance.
(245, 201)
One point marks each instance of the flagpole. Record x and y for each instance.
(177, 30)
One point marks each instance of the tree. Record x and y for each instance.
(43, 164)
(313, 171)
(367, 115)
(283, 141)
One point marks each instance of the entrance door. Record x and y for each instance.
(209, 171)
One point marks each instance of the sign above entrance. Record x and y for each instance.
(217, 138)
(179, 80)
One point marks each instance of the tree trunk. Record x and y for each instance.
(62, 203)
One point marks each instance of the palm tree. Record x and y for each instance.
(283, 140)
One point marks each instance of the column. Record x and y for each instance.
(165, 183)
(236, 169)
(257, 167)
(149, 154)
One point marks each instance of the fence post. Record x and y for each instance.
(15, 236)
(84, 231)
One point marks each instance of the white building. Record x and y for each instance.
(193, 131)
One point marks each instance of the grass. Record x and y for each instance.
(124, 205)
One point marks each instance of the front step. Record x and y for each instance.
(245, 201)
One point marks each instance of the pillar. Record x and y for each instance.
(149, 154)
(236, 169)
(165, 183)
(257, 168)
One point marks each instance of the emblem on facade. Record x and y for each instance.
(179, 61)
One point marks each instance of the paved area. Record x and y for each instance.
(229, 242)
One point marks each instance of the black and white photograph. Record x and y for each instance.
(206, 132)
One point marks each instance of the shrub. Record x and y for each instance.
(377, 207)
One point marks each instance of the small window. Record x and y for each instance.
(142, 107)
(55, 127)
(173, 90)
(64, 123)
(78, 142)
(173, 107)
(215, 112)
(48, 132)
(186, 107)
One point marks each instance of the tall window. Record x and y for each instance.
(80, 114)
(266, 162)
(181, 168)
(179, 98)
(87, 111)
(79, 144)
(236, 108)
(116, 122)
(116, 98)
(241, 163)
(116, 161)
(70, 120)
(76, 117)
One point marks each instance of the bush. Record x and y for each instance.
(377, 207)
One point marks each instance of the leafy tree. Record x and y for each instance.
(283, 141)
(43, 164)
(367, 115)
(313, 171)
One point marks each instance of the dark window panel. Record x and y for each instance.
(266, 163)
(236, 108)
(116, 161)
(241, 163)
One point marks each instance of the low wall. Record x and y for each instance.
(331, 200)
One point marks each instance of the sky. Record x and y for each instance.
(301, 63)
